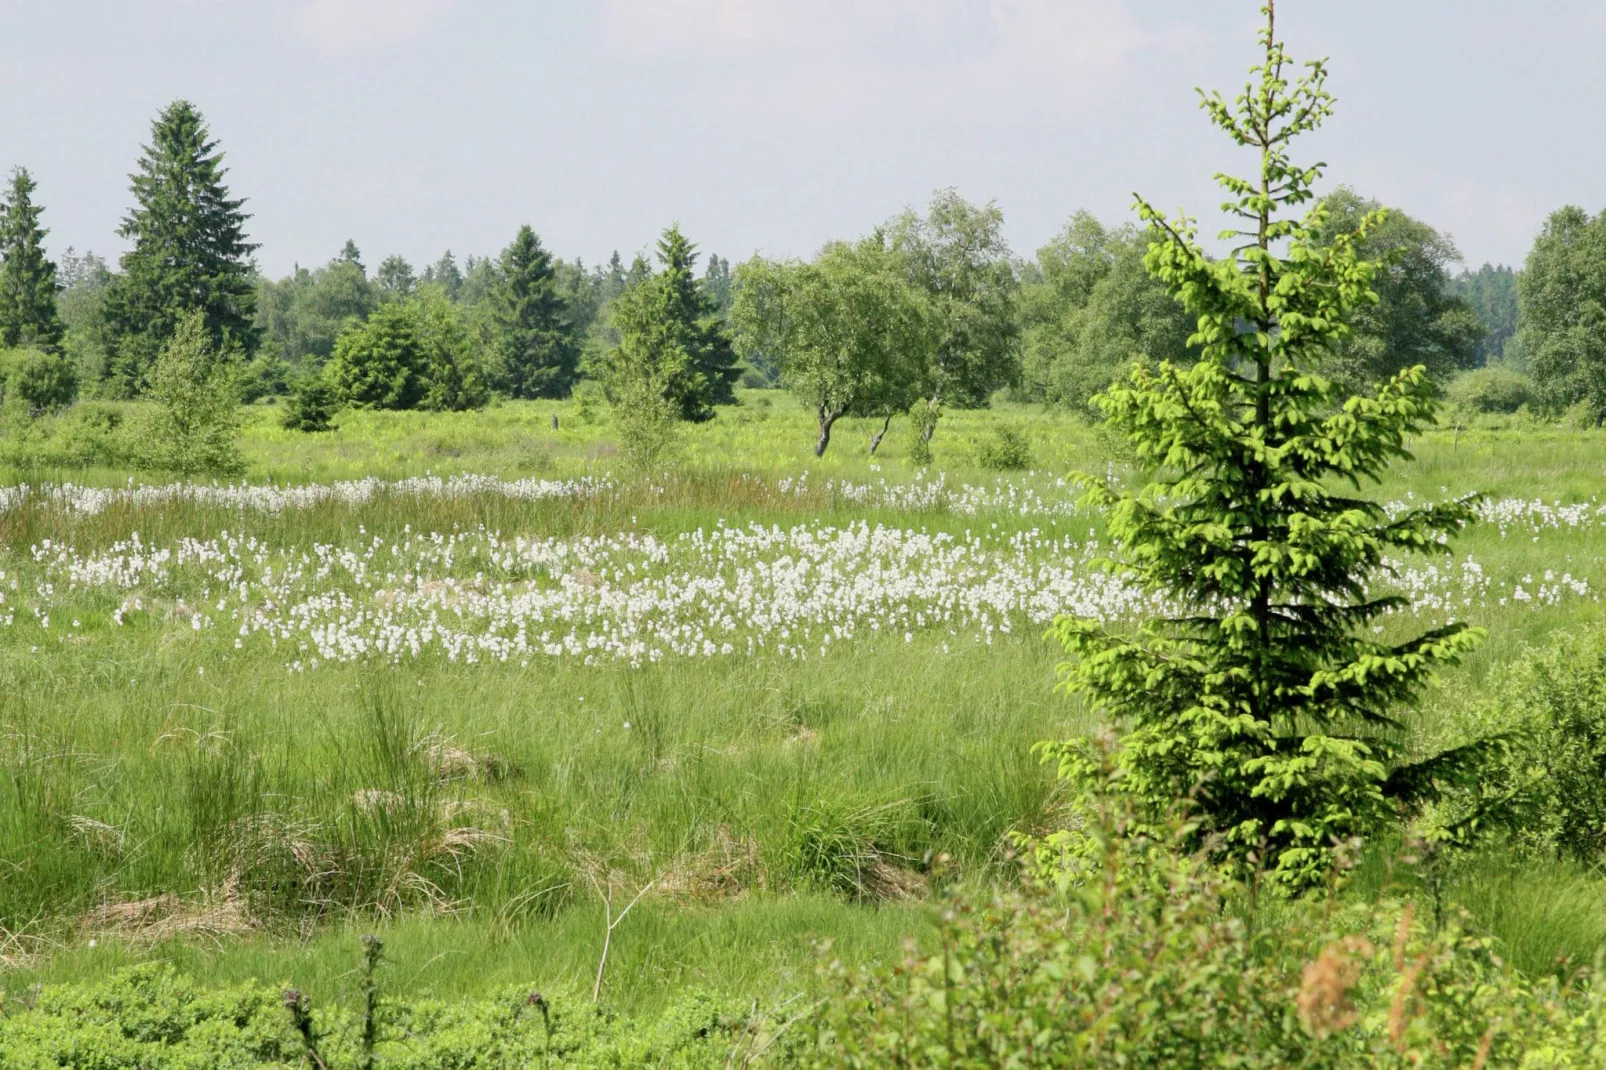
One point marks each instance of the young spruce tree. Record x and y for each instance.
(189, 251)
(1266, 695)
(27, 278)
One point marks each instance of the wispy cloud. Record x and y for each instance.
(345, 26)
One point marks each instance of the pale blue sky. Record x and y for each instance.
(416, 125)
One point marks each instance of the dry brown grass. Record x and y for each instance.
(216, 916)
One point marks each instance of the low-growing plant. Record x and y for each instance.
(1493, 389)
(41, 381)
(1124, 946)
(1006, 449)
(312, 406)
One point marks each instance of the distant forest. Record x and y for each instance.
(523, 322)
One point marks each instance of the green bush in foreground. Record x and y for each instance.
(1124, 949)
(149, 1017)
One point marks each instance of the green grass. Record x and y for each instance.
(776, 801)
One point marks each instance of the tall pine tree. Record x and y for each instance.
(27, 279)
(1265, 693)
(190, 251)
(535, 348)
(694, 322)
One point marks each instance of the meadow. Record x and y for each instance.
(459, 678)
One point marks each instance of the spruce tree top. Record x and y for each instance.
(1266, 694)
(27, 278)
(189, 253)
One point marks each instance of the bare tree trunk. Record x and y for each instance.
(875, 439)
(827, 419)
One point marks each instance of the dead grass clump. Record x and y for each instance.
(221, 914)
(726, 870)
(450, 762)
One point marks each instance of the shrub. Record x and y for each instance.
(1126, 949)
(1005, 449)
(1492, 390)
(1546, 784)
(42, 381)
(381, 364)
(149, 1016)
(196, 424)
(311, 406)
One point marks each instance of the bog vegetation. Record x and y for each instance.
(914, 655)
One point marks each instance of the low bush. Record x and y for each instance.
(149, 1017)
(1005, 449)
(311, 407)
(41, 381)
(1492, 390)
(1545, 785)
(1124, 949)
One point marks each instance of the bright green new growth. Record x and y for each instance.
(196, 424)
(1266, 693)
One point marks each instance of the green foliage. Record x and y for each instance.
(644, 416)
(312, 405)
(1006, 449)
(189, 252)
(1562, 292)
(28, 313)
(1491, 292)
(1263, 692)
(454, 377)
(381, 364)
(152, 1017)
(1129, 950)
(301, 315)
(395, 279)
(42, 381)
(1545, 787)
(1492, 390)
(1089, 310)
(849, 334)
(195, 426)
(957, 255)
(536, 353)
(1417, 319)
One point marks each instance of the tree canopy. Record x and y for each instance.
(848, 331)
(1563, 309)
(28, 314)
(189, 253)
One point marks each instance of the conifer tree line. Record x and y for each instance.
(932, 310)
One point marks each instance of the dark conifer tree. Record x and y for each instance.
(190, 251)
(27, 279)
(536, 351)
(712, 370)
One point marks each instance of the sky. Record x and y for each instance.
(414, 126)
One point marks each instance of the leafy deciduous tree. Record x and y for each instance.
(849, 332)
(195, 427)
(1563, 310)
(957, 254)
(1418, 318)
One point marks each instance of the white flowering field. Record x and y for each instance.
(774, 695)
